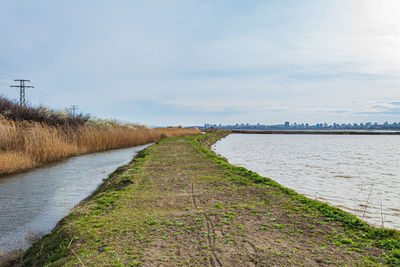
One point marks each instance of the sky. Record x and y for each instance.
(190, 62)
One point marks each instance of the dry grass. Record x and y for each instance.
(176, 131)
(25, 145)
(14, 162)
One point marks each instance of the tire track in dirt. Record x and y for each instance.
(213, 258)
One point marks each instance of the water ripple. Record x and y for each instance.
(357, 173)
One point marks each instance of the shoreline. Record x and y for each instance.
(62, 160)
(176, 189)
(328, 168)
(322, 132)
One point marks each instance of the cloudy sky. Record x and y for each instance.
(190, 62)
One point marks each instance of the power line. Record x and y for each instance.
(44, 94)
(40, 98)
(6, 75)
(4, 79)
(22, 87)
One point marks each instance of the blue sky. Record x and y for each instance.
(189, 62)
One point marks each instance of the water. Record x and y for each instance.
(359, 174)
(32, 203)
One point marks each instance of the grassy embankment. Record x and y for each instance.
(178, 203)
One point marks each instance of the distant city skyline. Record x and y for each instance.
(186, 62)
(324, 125)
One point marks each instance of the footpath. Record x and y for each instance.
(178, 204)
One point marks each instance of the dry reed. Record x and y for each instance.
(26, 145)
(176, 131)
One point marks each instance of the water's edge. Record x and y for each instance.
(49, 164)
(22, 238)
(374, 220)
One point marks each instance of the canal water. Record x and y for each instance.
(357, 173)
(32, 203)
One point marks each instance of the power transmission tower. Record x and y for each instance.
(22, 87)
(73, 110)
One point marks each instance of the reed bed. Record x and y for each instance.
(26, 145)
(176, 131)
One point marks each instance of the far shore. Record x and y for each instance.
(340, 132)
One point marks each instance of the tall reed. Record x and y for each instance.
(33, 136)
(176, 131)
(25, 145)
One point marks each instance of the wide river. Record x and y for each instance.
(358, 173)
(32, 203)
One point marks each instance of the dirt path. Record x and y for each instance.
(175, 206)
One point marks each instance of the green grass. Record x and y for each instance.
(360, 234)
